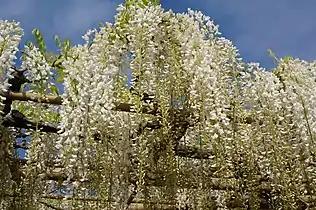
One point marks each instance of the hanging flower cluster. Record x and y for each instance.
(166, 49)
(87, 101)
(10, 36)
(201, 128)
(39, 72)
(41, 149)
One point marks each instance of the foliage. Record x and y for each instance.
(221, 132)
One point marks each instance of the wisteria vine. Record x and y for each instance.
(220, 132)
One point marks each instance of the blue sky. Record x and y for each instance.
(288, 27)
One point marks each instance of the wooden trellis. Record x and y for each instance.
(13, 118)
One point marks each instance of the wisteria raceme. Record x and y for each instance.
(220, 132)
(86, 111)
(39, 71)
(40, 148)
(10, 36)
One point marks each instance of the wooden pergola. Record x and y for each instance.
(13, 118)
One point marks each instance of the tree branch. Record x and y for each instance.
(50, 206)
(18, 120)
(192, 152)
(16, 81)
(135, 205)
(131, 197)
(57, 100)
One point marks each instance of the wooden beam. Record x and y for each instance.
(57, 100)
(35, 97)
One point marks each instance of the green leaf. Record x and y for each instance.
(50, 58)
(271, 53)
(36, 33)
(54, 90)
(42, 46)
(156, 3)
(101, 25)
(58, 61)
(57, 41)
(129, 3)
(30, 44)
(39, 41)
(141, 5)
(145, 2)
(61, 74)
(66, 45)
(60, 79)
(287, 58)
